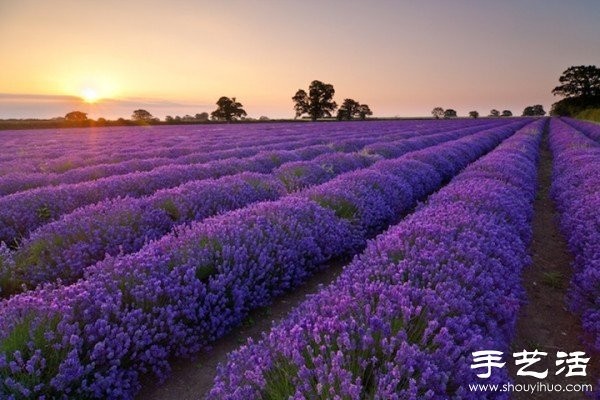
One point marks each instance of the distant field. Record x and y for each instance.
(126, 249)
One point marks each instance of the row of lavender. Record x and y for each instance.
(62, 249)
(91, 146)
(22, 212)
(592, 130)
(193, 153)
(576, 191)
(131, 313)
(404, 317)
(54, 152)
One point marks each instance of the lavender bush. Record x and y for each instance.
(94, 339)
(575, 188)
(403, 318)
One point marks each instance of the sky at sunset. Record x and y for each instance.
(174, 58)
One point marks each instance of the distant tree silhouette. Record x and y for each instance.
(450, 113)
(506, 113)
(202, 116)
(348, 109)
(473, 114)
(263, 118)
(534, 111)
(318, 103)
(228, 109)
(76, 116)
(437, 112)
(580, 87)
(363, 111)
(579, 81)
(351, 108)
(169, 119)
(494, 113)
(141, 116)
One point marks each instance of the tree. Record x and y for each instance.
(228, 109)
(473, 114)
(507, 113)
(76, 116)
(348, 109)
(318, 103)
(203, 117)
(142, 116)
(450, 113)
(169, 119)
(494, 113)
(580, 87)
(534, 111)
(351, 108)
(263, 118)
(363, 111)
(579, 81)
(437, 112)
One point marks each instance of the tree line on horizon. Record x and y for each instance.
(529, 111)
(579, 87)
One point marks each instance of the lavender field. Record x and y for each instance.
(127, 249)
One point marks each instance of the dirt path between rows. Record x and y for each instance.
(544, 323)
(192, 379)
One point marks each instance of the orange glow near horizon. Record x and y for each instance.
(89, 95)
(401, 58)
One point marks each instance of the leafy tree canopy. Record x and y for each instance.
(351, 108)
(317, 103)
(228, 109)
(534, 111)
(437, 112)
(581, 80)
(142, 116)
(76, 116)
(450, 113)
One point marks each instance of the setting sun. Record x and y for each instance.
(89, 95)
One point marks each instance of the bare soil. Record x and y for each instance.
(545, 323)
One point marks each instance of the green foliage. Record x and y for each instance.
(591, 114)
(169, 206)
(573, 106)
(30, 334)
(342, 207)
(279, 380)
(554, 279)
